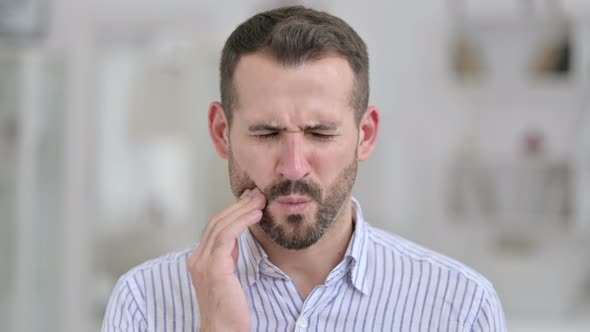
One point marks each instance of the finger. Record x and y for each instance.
(235, 252)
(241, 200)
(257, 202)
(244, 199)
(245, 193)
(223, 242)
(226, 238)
(238, 217)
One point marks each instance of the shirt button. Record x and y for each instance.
(302, 322)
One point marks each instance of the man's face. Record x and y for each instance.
(294, 137)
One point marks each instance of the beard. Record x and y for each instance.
(295, 232)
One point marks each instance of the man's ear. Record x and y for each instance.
(368, 130)
(219, 129)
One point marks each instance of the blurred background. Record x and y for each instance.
(105, 158)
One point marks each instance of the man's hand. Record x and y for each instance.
(222, 303)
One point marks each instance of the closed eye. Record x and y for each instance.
(322, 136)
(266, 136)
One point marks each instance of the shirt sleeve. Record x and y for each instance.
(490, 317)
(125, 311)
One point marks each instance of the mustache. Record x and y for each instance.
(288, 187)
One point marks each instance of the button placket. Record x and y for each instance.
(302, 322)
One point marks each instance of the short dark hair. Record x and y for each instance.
(292, 36)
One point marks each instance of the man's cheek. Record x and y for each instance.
(246, 183)
(239, 180)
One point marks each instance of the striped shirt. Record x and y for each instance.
(384, 283)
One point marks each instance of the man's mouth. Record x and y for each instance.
(293, 204)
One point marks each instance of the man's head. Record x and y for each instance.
(294, 119)
(293, 36)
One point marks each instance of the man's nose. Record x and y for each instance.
(293, 163)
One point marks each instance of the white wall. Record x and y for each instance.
(403, 187)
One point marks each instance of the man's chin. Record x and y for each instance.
(293, 236)
(292, 223)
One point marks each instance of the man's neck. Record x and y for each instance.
(311, 266)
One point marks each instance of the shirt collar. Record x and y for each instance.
(252, 257)
(357, 250)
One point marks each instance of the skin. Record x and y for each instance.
(290, 124)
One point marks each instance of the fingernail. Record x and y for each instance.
(255, 192)
(245, 193)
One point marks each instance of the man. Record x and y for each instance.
(294, 252)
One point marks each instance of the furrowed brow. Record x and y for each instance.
(264, 127)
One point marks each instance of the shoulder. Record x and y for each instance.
(160, 284)
(447, 268)
(456, 292)
(147, 281)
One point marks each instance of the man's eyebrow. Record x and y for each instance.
(321, 127)
(264, 127)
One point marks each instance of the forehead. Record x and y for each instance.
(314, 91)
